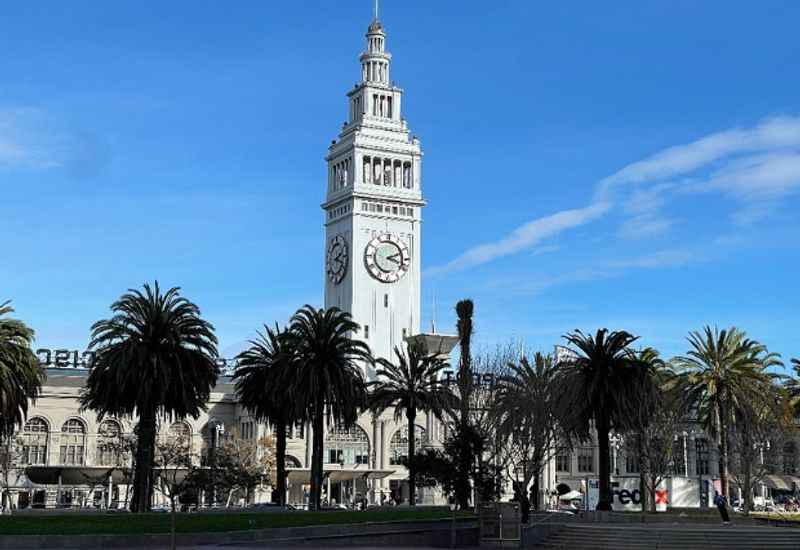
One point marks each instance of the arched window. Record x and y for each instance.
(34, 441)
(212, 438)
(109, 444)
(292, 462)
(73, 442)
(790, 458)
(347, 446)
(398, 446)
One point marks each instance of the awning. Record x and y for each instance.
(782, 482)
(76, 475)
(336, 473)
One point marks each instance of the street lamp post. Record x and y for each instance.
(616, 442)
(219, 429)
(453, 509)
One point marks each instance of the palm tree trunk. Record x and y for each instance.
(172, 544)
(280, 452)
(145, 453)
(317, 449)
(411, 414)
(722, 442)
(604, 502)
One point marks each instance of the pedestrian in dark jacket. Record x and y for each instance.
(719, 501)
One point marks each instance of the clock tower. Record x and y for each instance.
(373, 208)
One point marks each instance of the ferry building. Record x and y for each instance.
(373, 208)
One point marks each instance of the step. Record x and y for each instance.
(716, 537)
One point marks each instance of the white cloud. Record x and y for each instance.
(663, 259)
(547, 249)
(524, 237)
(645, 226)
(754, 166)
(773, 134)
(761, 177)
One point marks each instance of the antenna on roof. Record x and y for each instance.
(433, 316)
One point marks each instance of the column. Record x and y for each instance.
(309, 437)
(383, 453)
(328, 494)
(110, 491)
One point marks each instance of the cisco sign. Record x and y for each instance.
(75, 359)
(65, 359)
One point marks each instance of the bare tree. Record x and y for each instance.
(245, 464)
(759, 428)
(10, 465)
(176, 465)
(657, 444)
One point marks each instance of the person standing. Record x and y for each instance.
(719, 501)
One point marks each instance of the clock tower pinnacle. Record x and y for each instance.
(373, 208)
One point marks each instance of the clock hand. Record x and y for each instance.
(394, 258)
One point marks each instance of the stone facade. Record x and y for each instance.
(61, 442)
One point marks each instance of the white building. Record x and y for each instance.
(373, 209)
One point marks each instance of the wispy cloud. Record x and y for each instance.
(546, 249)
(524, 237)
(662, 259)
(772, 134)
(31, 139)
(755, 166)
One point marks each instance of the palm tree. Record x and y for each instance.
(411, 385)
(793, 387)
(155, 357)
(21, 379)
(721, 371)
(21, 376)
(464, 310)
(327, 381)
(260, 380)
(598, 387)
(525, 414)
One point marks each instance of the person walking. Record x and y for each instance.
(719, 501)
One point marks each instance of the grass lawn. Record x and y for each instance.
(793, 517)
(121, 524)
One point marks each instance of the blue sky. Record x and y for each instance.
(634, 165)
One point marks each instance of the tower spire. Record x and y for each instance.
(377, 9)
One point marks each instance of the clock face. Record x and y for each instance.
(336, 259)
(387, 258)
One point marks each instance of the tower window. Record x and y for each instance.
(366, 332)
(385, 300)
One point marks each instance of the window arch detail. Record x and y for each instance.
(34, 437)
(347, 446)
(398, 445)
(73, 442)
